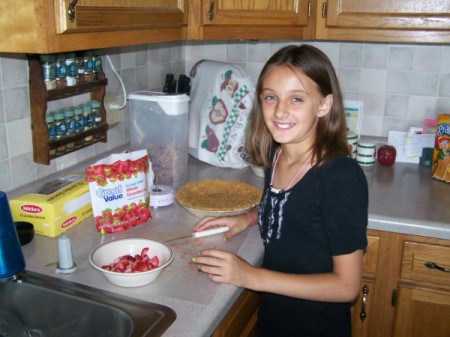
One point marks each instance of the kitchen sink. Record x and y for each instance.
(36, 305)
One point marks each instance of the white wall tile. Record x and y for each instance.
(421, 107)
(19, 137)
(373, 81)
(5, 176)
(374, 56)
(396, 106)
(350, 55)
(427, 58)
(4, 154)
(23, 171)
(398, 82)
(424, 84)
(401, 57)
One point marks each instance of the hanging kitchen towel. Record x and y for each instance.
(221, 101)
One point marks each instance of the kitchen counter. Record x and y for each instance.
(403, 198)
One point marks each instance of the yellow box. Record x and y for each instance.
(54, 207)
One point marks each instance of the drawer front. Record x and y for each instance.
(370, 257)
(416, 257)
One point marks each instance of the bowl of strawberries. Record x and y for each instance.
(131, 262)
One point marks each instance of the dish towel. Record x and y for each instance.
(221, 100)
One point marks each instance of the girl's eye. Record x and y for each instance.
(269, 98)
(297, 100)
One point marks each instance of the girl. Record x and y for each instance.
(313, 213)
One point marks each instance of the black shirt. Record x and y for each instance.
(323, 215)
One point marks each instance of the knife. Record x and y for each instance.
(206, 232)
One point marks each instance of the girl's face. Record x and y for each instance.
(292, 105)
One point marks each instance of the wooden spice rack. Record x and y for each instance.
(39, 96)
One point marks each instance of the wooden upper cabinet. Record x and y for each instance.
(106, 15)
(251, 19)
(49, 26)
(384, 20)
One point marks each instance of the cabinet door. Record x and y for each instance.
(250, 19)
(422, 311)
(362, 309)
(107, 15)
(241, 318)
(255, 12)
(386, 20)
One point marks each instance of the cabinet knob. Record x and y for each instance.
(363, 314)
(432, 265)
(71, 10)
(211, 11)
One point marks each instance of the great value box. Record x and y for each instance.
(54, 207)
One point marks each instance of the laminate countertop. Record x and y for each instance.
(403, 198)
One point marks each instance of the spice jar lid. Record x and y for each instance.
(95, 104)
(78, 110)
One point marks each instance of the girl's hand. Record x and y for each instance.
(224, 267)
(236, 224)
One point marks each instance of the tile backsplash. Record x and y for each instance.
(399, 84)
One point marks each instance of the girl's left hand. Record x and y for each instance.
(224, 267)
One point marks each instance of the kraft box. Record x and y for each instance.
(54, 207)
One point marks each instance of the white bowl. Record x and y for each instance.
(256, 169)
(106, 253)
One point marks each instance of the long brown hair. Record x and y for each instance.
(331, 137)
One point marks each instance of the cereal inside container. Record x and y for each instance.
(159, 123)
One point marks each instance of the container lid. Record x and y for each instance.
(161, 195)
(162, 98)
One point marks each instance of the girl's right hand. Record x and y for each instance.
(235, 223)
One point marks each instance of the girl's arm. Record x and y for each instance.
(341, 285)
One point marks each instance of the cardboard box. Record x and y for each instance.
(440, 167)
(54, 207)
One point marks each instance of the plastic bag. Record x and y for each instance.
(119, 186)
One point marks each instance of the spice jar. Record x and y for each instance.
(71, 71)
(48, 71)
(79, 63)
(88, 66)
(60, 127)
(95, 105)
(79, 123)
(60, 71)
(78, 119)
(50, 120)
(97, 65)
(70, 126)
(88, 121)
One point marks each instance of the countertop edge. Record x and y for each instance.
(438, 230)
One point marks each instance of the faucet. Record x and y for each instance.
(12, 262)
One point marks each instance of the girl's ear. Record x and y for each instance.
(325, 105)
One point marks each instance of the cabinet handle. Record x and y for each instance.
(211, 11)
(71, 10)
(432, 265)
(363, 314)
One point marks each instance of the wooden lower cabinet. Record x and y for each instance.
(240, 321)
(405, 291)
(422, 311)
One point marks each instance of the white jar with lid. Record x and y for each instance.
(159, 123)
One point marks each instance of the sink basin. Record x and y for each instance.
(36, 305)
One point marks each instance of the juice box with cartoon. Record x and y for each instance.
(441, 156)
(54, 207)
